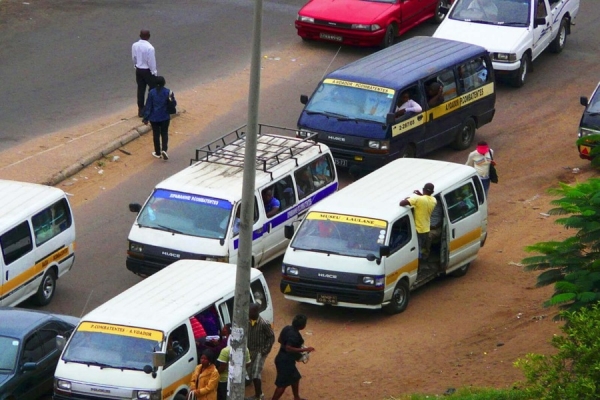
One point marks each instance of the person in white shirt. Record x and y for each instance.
(481, 159)
(144, 61)
(407, 105)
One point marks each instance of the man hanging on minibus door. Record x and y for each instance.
(423, 204)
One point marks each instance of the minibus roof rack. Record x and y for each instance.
(274, 145)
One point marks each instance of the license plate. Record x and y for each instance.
(327, 298)
(327, 36)
(340, 162)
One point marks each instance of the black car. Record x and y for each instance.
(589, 126)
(28, 351)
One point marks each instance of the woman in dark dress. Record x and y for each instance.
(292, 347)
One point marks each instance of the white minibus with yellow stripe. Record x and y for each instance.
(353, 109)
(359, 248)
(37, 238)
(144, 343)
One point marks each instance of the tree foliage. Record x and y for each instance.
(574, 372)
(573, 265)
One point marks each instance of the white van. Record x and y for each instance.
(192, 214)
(141, 344)
(37, 238)
(358, 248)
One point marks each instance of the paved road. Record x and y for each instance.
(66, 61)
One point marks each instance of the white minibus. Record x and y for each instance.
(37, 238)
(359, 248)
(143, 344)
(194, 214)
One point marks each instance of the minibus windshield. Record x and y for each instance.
(351, 101)
(495, 12)
(186, 214)
(340, 234)
(110, 346)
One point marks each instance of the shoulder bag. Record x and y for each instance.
(171, 104)
(493, 172)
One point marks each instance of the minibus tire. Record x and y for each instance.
(400, 298)
(46, 289)
(408, 151)
(179, 396)
(462, 271)
(465, 135)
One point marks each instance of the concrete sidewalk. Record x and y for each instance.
(54, 157)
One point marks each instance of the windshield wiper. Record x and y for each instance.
(166, 228)
(335, 115)
(481, 21)
(512, 23)
(328, 252)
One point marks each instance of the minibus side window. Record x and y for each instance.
(440, 88)
(283, 191)
(178, 344)
(400, 235)
(16, 243)
(258, 292)
(473, 74)
(51, 221)
(322, 171)
(461, 202)
(405, 101)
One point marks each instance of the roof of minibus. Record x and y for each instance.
(220, 180)
(406, 62)
(378, 194)
(167, 298)
(20, 200)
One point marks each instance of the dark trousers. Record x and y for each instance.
(222, 391)
(160, 133)
(144, 78)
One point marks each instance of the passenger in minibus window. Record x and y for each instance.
(406, 105)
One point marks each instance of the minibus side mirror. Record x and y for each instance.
(61, 341)
(303, 99)
(288, 231)
(539, 21)
(135, 207)
(384, 251)
(390, 119)
(583, 101)
(159, 359)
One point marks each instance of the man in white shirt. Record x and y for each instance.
(407, 105)
(142, 53)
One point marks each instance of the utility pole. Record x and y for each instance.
(239, 337)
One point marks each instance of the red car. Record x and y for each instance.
(364, 22)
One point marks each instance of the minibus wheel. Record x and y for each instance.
(408, 151)
(465, 135)
(47, 288)
(399, 300)
(179, 396)
(462, 271)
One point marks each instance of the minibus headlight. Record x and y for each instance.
(289, 270)
(379, 145)
(377, 281)
(148, 395)
(368, 280)
(302, 18)
(136, 247)
(301, 133)
(505, 57)
(63, 385)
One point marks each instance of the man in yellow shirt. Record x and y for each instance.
(423, 204)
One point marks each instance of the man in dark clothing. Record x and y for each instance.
(260, 341)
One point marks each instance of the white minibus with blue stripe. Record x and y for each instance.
(193, 214)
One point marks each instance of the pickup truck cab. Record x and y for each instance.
(515, 32)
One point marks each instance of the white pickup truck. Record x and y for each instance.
(515, 32)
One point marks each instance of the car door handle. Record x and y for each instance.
(453, 234)
(191, 359)
(413, 248)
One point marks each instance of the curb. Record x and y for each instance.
(97, 154)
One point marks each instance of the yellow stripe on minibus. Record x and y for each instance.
(35, 270)
(408, 124)
(410, 267)
(358, 85)
(459, 102)
(141, 333)
(470, 237)
(169, 391)
(376, 223)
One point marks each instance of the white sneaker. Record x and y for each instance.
(165, 156)
(155, 155)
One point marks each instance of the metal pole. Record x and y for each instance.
(239, 338)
